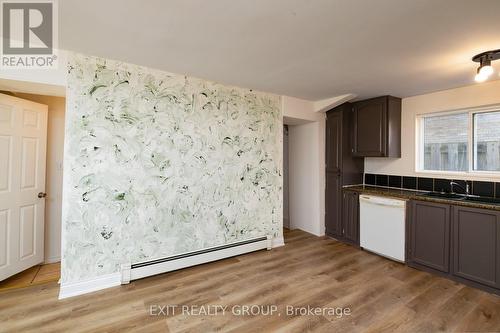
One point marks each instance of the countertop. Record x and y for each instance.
(415, 195)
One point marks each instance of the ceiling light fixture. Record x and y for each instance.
(484, 59)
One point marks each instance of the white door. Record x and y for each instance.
(23, 141)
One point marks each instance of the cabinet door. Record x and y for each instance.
(333, 195)
(334, 141)
(476, 245)
(370, 127)
(333, 199)
(430, 235)
(352, 167)
(350, 217)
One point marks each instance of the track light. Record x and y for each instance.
(485, 68)
(484, 59)
(480, 76)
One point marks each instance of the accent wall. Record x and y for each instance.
(158, 164)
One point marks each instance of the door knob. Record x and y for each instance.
(42, 195)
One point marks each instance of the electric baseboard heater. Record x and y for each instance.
(140, 270)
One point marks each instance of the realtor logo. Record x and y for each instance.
(28, 34)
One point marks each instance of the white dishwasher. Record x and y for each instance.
(382, 226)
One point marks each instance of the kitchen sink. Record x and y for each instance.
(483, 199)
(462, 197)
(443, 195)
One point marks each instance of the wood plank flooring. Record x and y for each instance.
(35, 275)
(309, 271)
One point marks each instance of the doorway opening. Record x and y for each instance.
(302, 170)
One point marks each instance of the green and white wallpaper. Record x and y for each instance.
(159, 164)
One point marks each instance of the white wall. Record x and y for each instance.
(470, 96)
(306, 211)
(300, 109)
(54, 77)
(306, 165)
(54, 169)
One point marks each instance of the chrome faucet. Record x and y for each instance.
(466, 188)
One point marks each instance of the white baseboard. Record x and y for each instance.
(115, 279)
(52, 260)
(90, 285)
(278, 241)
(318, 234)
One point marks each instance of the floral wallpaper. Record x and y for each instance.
(158, 164)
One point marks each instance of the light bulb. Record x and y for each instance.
(486, 70)
(480, 77)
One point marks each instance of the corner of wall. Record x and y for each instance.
(89, 285)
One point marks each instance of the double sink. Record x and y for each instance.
(462, 197)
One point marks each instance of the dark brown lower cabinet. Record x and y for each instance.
(460, 242)
(430, 235)
(476, 245)
(350, 217)
(345, 227)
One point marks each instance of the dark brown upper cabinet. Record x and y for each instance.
(429, 235)
(476, 245)
(334, 142)
(377, 127)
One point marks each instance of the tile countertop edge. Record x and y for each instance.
(414, 195)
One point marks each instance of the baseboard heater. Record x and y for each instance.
(140, 270)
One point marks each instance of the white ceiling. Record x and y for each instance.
(311, 49)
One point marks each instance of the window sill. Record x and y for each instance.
(479, 175)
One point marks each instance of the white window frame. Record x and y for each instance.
(419, 142)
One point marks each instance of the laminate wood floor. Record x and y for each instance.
(38, 274)
(309, 271)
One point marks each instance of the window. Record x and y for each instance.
(445, 142)
(487, 141)
(466, 141)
